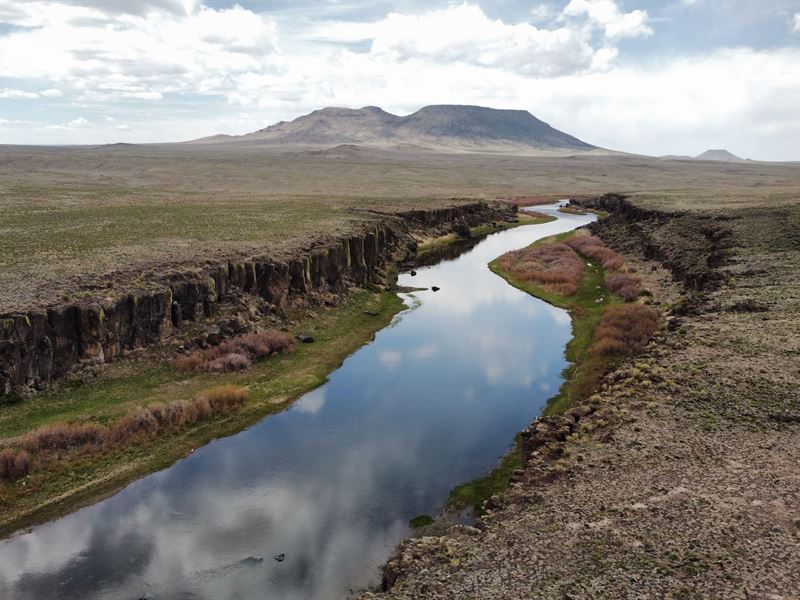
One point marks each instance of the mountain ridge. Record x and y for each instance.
(443, 126)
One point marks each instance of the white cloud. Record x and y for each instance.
(796, 27)
(463, 33)
(541, 12)
(79, 122)
(117, 55)
(16, 94)
(607, 14)
(390, 358)
(255, 69)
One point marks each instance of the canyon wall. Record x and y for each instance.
(46, 344)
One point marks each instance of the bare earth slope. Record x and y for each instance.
(685, 481)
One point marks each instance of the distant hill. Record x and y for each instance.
(718, 154)
(454, 127)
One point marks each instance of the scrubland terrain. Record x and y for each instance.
(678, 477)
(681, 481)
(76, 218)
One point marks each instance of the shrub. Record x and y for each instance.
(555, 267)
(222, 398)
(148, 422)
(593, 247)
(229, 362)
(14, 465)
(61, 436)
(624, 330)
(193, 362)
(236, 353)
(624, 286)
(6, 463)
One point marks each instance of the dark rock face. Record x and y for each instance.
(691, 246)
(41, 346)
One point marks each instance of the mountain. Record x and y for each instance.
(718, 154)
(455, 127)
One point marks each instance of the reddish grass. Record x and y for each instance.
(624, 330)
(61, 436)
(593, 247)
(14, 465)
(236, 354)
(555, 267)
(623, 285)
(49, 440)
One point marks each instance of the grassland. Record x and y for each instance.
(272, 385)
(75, 218)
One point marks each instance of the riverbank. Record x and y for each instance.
(433, 245)
(272, 385)
(586, 307)
(652, 491)
(103, 361)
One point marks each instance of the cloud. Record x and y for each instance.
(16, 94)
(796, 27)
(105, 53)
(79, 122)
(390, 358)
(607, 15)
(171, 70)
(465, 34)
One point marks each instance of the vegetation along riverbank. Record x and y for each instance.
(577, 272)
(677, 476)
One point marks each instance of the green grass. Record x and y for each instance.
(272, 385)
(420, 521)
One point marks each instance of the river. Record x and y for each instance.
(433, 401)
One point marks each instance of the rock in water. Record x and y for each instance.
(280, 557)
(435, 288)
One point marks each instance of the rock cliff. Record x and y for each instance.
(46, 344)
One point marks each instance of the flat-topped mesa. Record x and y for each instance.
(44, 345)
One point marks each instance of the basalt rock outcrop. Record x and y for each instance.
(46, 344)
(692, 246)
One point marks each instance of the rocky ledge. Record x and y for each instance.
(46, 344)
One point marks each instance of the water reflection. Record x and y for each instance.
(434, 401)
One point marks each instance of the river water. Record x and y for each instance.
(434, 401)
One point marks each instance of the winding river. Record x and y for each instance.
(433, 401)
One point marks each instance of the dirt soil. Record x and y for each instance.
(685, 480)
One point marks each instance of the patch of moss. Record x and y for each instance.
(474, 493)
(420, 521)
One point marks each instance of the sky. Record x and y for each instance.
(651, 77)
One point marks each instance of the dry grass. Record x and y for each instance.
(624, 330)
(14, 465)
(92, 214)
(555, 267)
(593, 247)
(623, 285)
(237, 353)
(49, 442)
